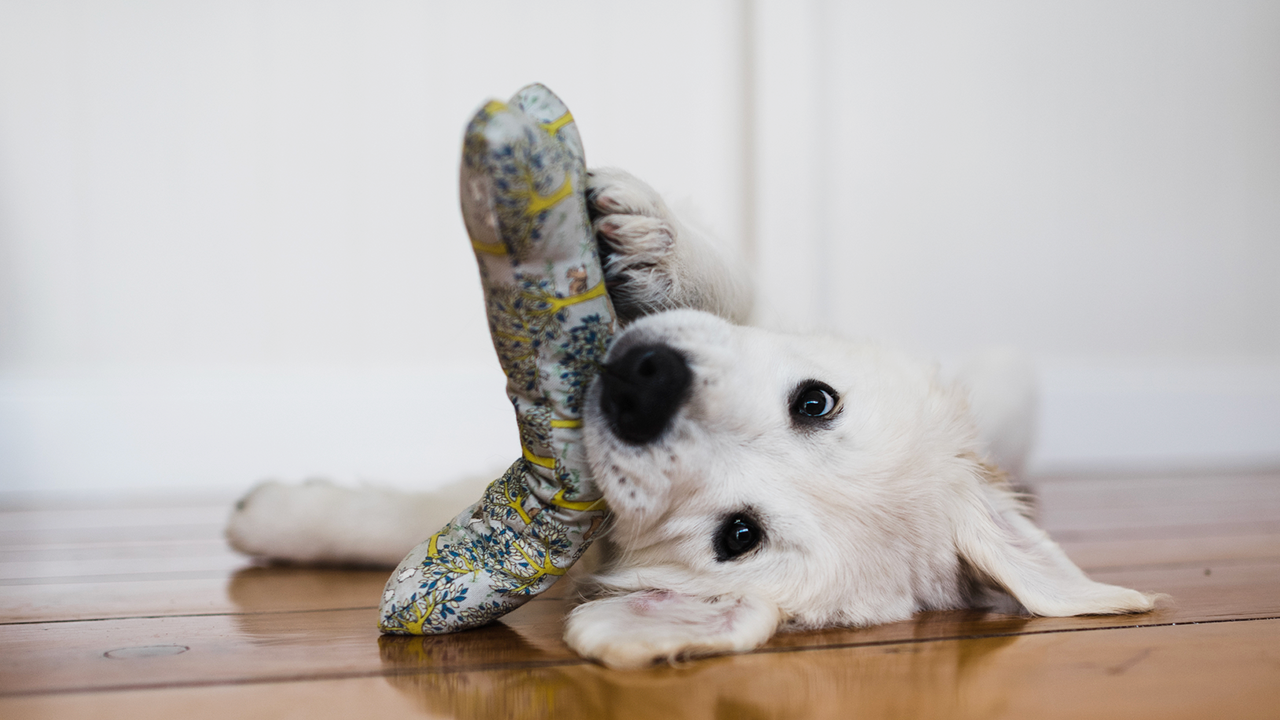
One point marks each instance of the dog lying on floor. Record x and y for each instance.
(756, 480)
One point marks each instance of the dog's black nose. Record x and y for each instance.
(642, 390)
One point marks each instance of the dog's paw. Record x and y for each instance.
(283, 522)
(633, 631)
(318, 522)
(637, 236)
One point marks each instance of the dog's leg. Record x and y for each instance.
(652, 261)
(319, 522)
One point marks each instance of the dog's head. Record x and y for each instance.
(757, 478)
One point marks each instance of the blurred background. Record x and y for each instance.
(230, 245)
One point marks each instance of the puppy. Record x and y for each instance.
(756, 480)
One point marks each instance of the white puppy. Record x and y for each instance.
(756, 480)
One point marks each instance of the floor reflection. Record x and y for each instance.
(267, 588)
(273, 604)
(831, 683)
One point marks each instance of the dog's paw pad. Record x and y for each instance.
(637, 238)
(640, 240)
(611, 191)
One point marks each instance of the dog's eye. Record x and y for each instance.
(737, 536)
(816, 403)
(814, 400)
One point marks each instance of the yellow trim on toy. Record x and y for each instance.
(582, 505)
(554, 126)
(420, 618)
(514, 338)
(539, 202)
(545, 462)
(514, 500)
(566, 423)
(494, 107)
(490, 248)
(432, 550)
(546, 567)
(558, 303)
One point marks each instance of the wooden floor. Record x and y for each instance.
(140, 610)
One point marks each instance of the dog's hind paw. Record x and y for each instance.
(318, 522)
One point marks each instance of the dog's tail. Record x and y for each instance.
(1004, 396)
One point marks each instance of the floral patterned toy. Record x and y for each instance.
(523, 185)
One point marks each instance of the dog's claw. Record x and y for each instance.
(637, 236)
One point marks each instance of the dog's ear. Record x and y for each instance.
(641, 628)
(1007, 550)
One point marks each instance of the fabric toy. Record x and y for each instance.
(523, 185)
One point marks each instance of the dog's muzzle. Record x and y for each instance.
(641, 391)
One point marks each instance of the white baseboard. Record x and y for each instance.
(224, 431)
(227, 430)
(1138, 416)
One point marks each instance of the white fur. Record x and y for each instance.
(647, 270)
(891, 508)
(1002, 395)
(319, 522)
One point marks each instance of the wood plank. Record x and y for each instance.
(36, 538)
(1102, 491)
(1208, 551)
(1157, 502)
(1099, 522)
(250, 590)
(253, 588)
(1217, 670)
(1233, 592)
(223, 560)
(21, 500)
(257, 647)
(76, 560)
(1162, 672)
(56, 551)
(226, 649)
(113, 517)
(35, 530)
(1158, 490)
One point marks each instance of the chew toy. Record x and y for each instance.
(523, 185)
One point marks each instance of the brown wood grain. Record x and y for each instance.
(142, 582)
(1226, 670)
(59, 657)
(107, 518)
(42, 537)
(1156, 505)
(1099, 555)
(249, 590)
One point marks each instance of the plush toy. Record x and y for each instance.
(523, 185)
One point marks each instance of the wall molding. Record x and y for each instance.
(1157, 415)
(215, 430)
(224, 430)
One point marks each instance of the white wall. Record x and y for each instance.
(1097, 183)
(230, 245)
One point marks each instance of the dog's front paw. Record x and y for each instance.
(637, 236)
(633, 631)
